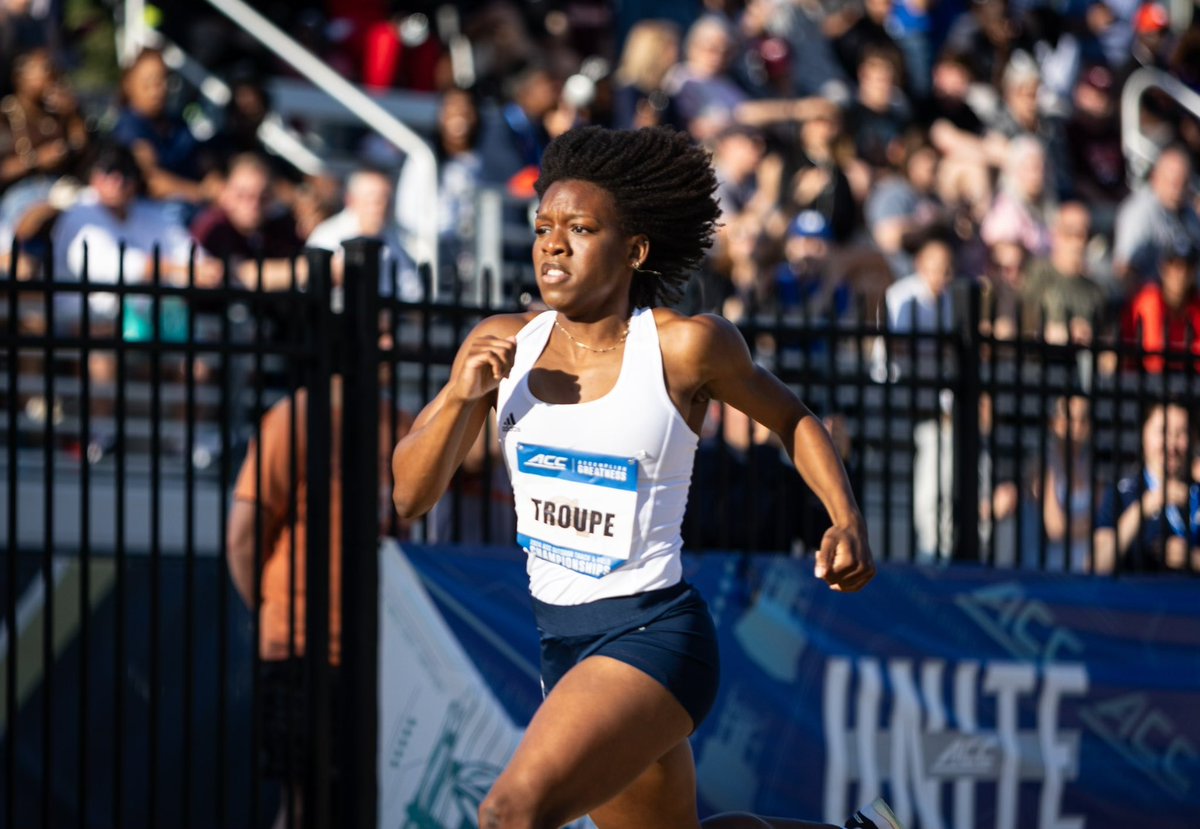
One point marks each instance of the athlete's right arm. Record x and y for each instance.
(426, 458)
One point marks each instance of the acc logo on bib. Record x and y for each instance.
(576, 509)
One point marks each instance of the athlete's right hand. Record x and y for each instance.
(488, 360)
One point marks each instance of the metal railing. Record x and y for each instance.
(1140, 150)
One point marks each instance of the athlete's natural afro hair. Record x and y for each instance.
(662, 185)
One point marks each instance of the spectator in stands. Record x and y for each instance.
(640, 99)
(737, 153)
(501, 44)
(513, 146)
(985, 34)
(247, 111)
(739, 285)
(1155, 217)
(858, 28)
(703, 91)
(1018, 117)
(1003, 285)
(1019, 210)
(880, 114)
(113, 234)
(245, 232)
(1120, 24)
(1151, 521)
(1165, 315)
(1023, 116)
(109, 214)
(764, 66)
(1094, 136)
(950, 86)
(42, 135)
(1067, 493)
(922, 303)
(167, 152)
(267, 528)
(1061, 302)
(805, 282)
(814, 66)
(459, 173)
(22, 30)
(903, 204)
(817, 176)
(368, 213)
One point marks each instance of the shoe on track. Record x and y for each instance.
(876, 815)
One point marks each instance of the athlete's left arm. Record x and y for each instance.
(728, 373)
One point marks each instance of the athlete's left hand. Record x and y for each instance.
(844, 560)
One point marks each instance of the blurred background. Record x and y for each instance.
(240, 243)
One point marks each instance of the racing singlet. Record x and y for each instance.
(601, 486)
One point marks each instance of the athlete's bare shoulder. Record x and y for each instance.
(693, 337)
(502, 325)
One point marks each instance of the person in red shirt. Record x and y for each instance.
(1167, 311)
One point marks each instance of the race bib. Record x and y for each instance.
(574, 509)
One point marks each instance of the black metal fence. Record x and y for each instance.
(139, 689)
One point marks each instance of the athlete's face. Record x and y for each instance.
(581, 256)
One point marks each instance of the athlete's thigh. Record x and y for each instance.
(601, 727)
(662, 797)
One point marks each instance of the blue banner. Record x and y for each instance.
(969, 697)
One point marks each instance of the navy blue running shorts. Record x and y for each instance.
(667, 634)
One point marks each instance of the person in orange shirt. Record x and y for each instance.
(278, 493)
(1167, 311)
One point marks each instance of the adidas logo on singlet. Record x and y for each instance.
(509, 423)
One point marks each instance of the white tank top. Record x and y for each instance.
(601, 486)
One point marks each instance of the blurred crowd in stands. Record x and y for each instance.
(870, 153)
(846, 135)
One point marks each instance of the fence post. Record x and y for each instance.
(360, 533)
(966, 422)
(318, 472)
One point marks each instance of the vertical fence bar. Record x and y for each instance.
(119, 532)
(889, 443)
(10, 575)
(1092, 394)
(1143, 410)
(1116, 460)
(1043, 392)
(360, 536)
(156, 345)
(1018, 374)
(941, 339)
(966, 425)
(456, 483)
(858, 438)
(485, 503)
(85, 535)
(317, 778)
(48, 389)
(189, 543)
(291, 819)
(993, 432)
(914, 389)
(224, 417)
(393, 376)
(425, 377)
(256, 580)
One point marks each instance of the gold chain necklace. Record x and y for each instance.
(579, 344)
